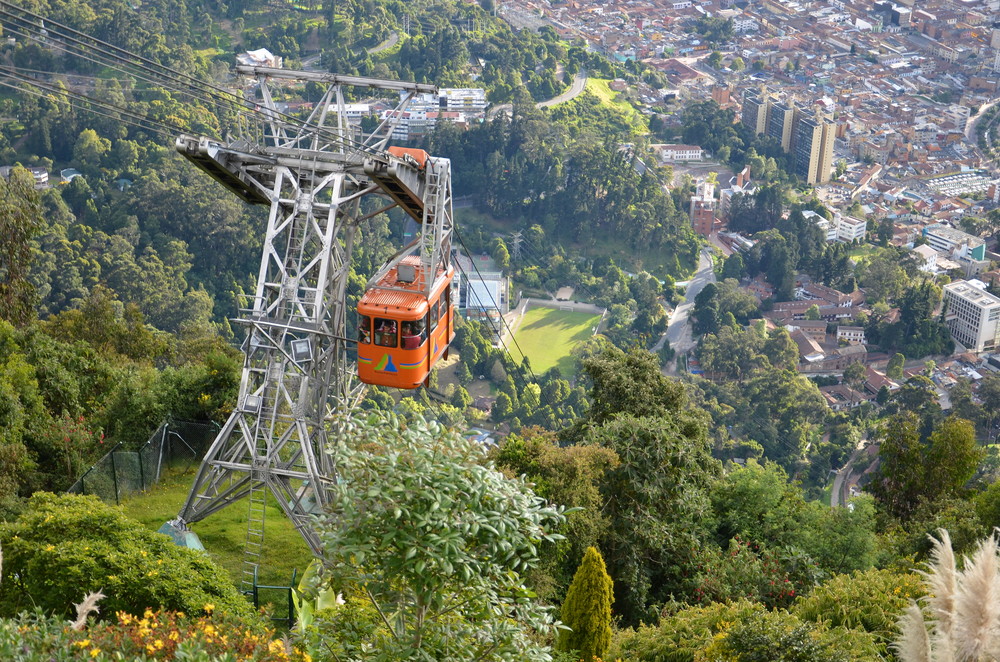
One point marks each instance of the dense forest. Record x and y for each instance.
(659, 518)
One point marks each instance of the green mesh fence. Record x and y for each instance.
(124, 471)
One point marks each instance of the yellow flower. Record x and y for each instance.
(84, 643)
(49, 548)
(209, 608)
(94, 652)
(158, 643)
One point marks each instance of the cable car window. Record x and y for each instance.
(385, 332)
(434, 316)
(364, 329)
(413, 334)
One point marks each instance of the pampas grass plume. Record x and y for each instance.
(914, 643)
(977, 603)
(942, 582)
(85, 609)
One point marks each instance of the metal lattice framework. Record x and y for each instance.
(313, 175)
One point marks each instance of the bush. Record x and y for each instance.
(63, 547)
(871, 601)
(156, 635)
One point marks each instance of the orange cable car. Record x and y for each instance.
(402, 332)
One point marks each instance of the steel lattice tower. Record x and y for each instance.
(313, 176)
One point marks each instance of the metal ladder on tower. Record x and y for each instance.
(254, 545)
(428, 238)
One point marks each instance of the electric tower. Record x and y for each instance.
(313, 175)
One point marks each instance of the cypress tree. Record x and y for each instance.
(587, 609)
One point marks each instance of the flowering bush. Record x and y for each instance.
(160, 636)
(65, 546)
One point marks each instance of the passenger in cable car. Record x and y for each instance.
(413, 334)
(385, 332)
(364, 329)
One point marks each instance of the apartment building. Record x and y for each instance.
(780, 124)
(813, 149)
(973, 315)
(808, 137)
(754, 115)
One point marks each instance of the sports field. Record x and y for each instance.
(546, 336)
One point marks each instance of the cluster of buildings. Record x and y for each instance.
(460, 106)
(806, 134)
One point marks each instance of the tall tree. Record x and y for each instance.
(587, 609)
(20, 216)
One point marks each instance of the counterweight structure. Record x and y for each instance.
(313, 175)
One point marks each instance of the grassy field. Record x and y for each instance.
(547, 335)
(599, 88)
(224, 532)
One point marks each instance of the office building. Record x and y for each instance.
(945, 239)
(972, 315)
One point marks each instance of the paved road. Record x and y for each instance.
(970, 125)
(678, 330)
(579, 82)
(491, 114)
(389, 42)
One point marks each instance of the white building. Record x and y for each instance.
(672, 153)
(480, 290)
(972, 315)
(928, 258)
(829, 229)
(468, 100)
(259, 58)
(849, 228)
(855, 335)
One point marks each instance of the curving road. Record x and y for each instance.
(579, 82)
(389, 42)
(678, 330)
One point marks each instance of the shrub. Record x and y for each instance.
(156, 635)
(869, 601)
(63, 547)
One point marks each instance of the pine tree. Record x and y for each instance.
(587, 609)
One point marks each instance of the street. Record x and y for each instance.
(678, 330)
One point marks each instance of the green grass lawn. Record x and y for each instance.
(224, 532)
(547, 335)
(861, 252)
(599, 88)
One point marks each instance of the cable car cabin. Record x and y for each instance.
(401, 332)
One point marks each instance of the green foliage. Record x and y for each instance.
(435, 539)
(654, 501)
(63, 547)
(778, 636)
(870, 601)
(679, 637)
(913, 470)
(570, 476)
(20, 218)
(587, 609)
